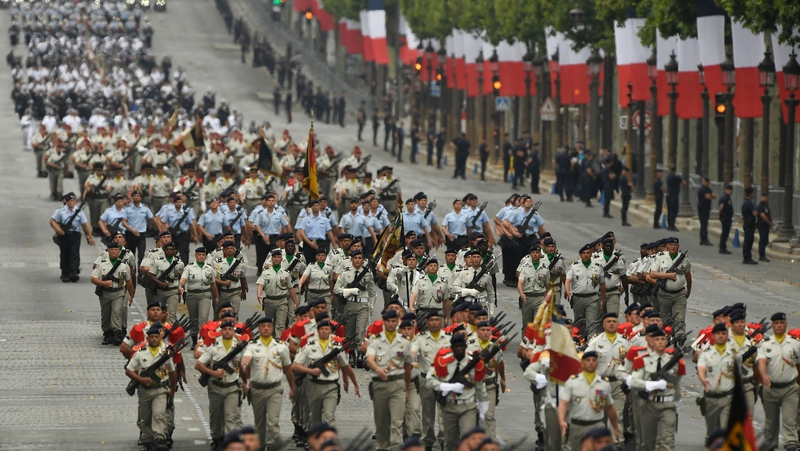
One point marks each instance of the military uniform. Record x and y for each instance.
(389, 396)
(719, 396)
(585, 287)
(485, 291)
(614, 285)
(538, 374)
(611, 367)
(298, 268)
(162, 186)
(431, 293)
(322, 391)
(269, 358)
(152, 419)
(587, 397)
(169, 294)
(276, 296)
(659, 415)
(231, 294)
(319, 282)
(747, 367)
(113, 308)
(535, 279)
(357, 307)
(38, 151)
(781, 399)
(199, 297)
(56, 161)
(212, 190)
(253, 189)
(423, 351)
(492, 381)
(224, 395)
(672, 298)
(401, 281)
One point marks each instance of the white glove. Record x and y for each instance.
(347, 292)
(469, 292)
(628, 381)
(483, 407)
(541, 381)
(655, 385)
(545, 363)
(457, 388)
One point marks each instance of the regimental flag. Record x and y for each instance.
(197, 133)
(268, 162)
(173, 121)
(310, 182)
(741, 435)
(564, 361)
(394, 241)
(189, 138)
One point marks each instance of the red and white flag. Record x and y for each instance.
(574, 76)
(377, 31)
(366, 38)
(472, 48)
(748, 51)
(488, 51)
(665, 47)
(512, 69)
(324, 18)
(632, 58)
(552, 41)
(711, 41)
(460, 42)
(690, 102)
(408, 52)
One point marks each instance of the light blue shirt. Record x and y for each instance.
(482, 219)
(414, 222)
(172, 217)
(236, 221)
(113, 218)
(138, 216)
(254, 214)
(533, 225)
(316, 227)
(331, 215)
(63, 214)
(456, 223)
(212, 222)
(506, 212)
(432, 219)
(357, 225)
(270, 223)
(380, 219)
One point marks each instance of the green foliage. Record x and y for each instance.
(766, 16)
(522, 20)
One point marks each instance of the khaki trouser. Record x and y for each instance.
(530, 306)
(587, 308)
(458, 419)
(429, 407)
(323, 396)
(357, 314)
(552, 431)
(171, 298)
(278, 310)
(627, 416)
(300, 415)
(489, 423)
(750, 395)
(39, 156)
(538, 398)
(234, 297)
(56, 178)
(152, 413)
(83, 174)
(159, 202)
(717, 412)
(388, 406)
(223, 408)
(412, 420)
(659, 424)
(267, 413)
(113, 310)
(575, 433)
(612, 301)
(96, 208)
(637, 408)
(780, 415)
(619, 406)
(199, 306)
(674, 304)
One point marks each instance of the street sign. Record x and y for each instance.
(637, 120)
(548, 110)
(501, 103)
(436, 91)
(623, 122)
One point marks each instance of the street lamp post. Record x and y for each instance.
(791, 72)
(729, 80)
(480, 106)
(539, 133)
(494, 66)
(593, 66)
(443, 93)
(655, 141)
(559, 140)
(703, 152)
(671, 68)
(527, 63)
(766, 79)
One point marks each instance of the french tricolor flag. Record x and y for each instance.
(665, 47)
(574, 76)
(748, 51)
(488, 51)
(408, 52)
(711, 39)
(472, 48)
(632, 58)
(460, 43)
(690, 102)
(377, 31)
(781, 57)
(512, 69)
(369, 55)
(354, 40)
(552, 41)
(449, 65)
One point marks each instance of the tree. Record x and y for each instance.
(522, 20)
(767, 16)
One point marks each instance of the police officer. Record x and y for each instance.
(725, 218)
(658, 416)
(169, 268)
(199, 290)
(389, 360)
(430, 292)
(111, 221)
(274, 292)
(704, 198)
(777, 366)
(234, 288)
(615, 275)
(268, 223)
(113, 281)
(224, 389)
(495, 378)
(658, 193)
(153, 395)
(674, 185)
(358, 303)
(533, 283)
(716, 373)
(423, 351)
(764, 225)
(588, 398)
(611, 348)
(749, 220)
(67, 222)
(318, 277)
(585, 289)
(672, 298)
(265, 363)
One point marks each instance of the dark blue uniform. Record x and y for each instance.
(703, 211)
(749, 226)
(725, 219)
(658, 196)
(673, 193)
(625, 193)
(763, 229)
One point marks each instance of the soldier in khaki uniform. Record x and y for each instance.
(615, 276)
(252, 189)
(322, 390)
(197, 283)
(224, 390)
(673, 297)
(160, 188)
(715, 370)
(167, 291)
(153, 396)
(274, 291)
(56, 160)
(265, 363)
(484, 292)
(778, 357)
(423, 350)
(358, 302)
(431, 292)
(412, 419)
(112, 286)
(738, 342)
(289, 254)
(234, 289)
(533, 283)
(495, 373)
(585, 289)
(611, 349)
(659, 417)
(318, 277)
(463, 404)
(587, 395)
(538, 374)
(389, 360)
(40, 142)
(403, 278)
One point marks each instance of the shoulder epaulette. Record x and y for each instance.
(574, 376)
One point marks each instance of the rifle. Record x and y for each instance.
(473, 284)
(235, 182)
(612, 262)
(114, 228)
(229, 273)
(223, 362)
(556, 257)
(150, 372)
(364, 162)
(387, 188)
(164, 277)
(190, 189)
(110, 274)
(96, 189)
(765, 327)
(462, 376)
(429, 209)
(663, 373)
(672, 269)
(478, 215)
(173, 229)
(291, 266)
(524, 225)
(249, 323)
(295, 195)
(169, 160)
(322, 362)
(239, 213)
(356, 283)
(66, 225)
(336, 159)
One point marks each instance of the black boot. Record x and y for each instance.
(107, 340)
(119, 336)
(194, 341)
(74, 277)
(160, 445)
(297, 432)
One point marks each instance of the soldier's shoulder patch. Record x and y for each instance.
(709, 349)
(575, 262)
(574, 376)
(373, 336)
(606, 379)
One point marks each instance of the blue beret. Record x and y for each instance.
(432, 314)
(596, 433)
(484, 324)
(432, 260)
(719, 327)
(658, 333)
(480, 312)
(321, 250)
(302, 310)
(321, 316)
(356, 252)
(389, 314)
(319, 428)
(170, 244)
(406, 323)
(450, 250)
(739, 306)
(778, 316)
(200, 250)
(631, 308)
(586, 247)
(411, 442)
(411, 233)
(475, 306)
(651, 328)
(394, 302)
(232, 437)
(409, 316)
(155, 328)
(227, 323)
(417, 243)
(226, 304)
(407, 253)
(458, 339)
(324, 323)
(672, 240)
(228, 315)
(228, 244)
(475, 430)
(717, 313)
(460, 307)
(316, 302)
(265, 320)
(736, 316)
(588, 354)
(247, 430)
(275, 253)
(153, 304)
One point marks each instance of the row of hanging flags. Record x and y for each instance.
(367, 37)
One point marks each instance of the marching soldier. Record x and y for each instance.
(585, 289)
(198, 290)
(265, 363)
(274, 291)
(412, 420)
(740, 343)
(777, 365)
(169, 268)
(558, 273)
(495, 379)
(533, 283)
(423, 351)
(252, 189)
(359, 301)
(224, 389)
(318, 277)
(658, 416)
(538, 374)
(231, 268)
(716, 373)
(588, 397)
(615, 275)
(68, 238)
(97, 197)
(673, 296)
(611, 349)
(56, 161)
(389, 360)
(153, 395)
(431, 292)
(290, 254)
(483, 293)
(403, 278)
(388, 189)
(113, 280)
(463, 404)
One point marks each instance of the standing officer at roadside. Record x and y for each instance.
(749, 219)
(585, 289)
(725, 218)
(704, 198)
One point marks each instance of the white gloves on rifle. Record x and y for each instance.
(541, 381)
(628, 381)
(456, 387)
(483, 407)
(655, 385)
(469, 292)
(347, 292)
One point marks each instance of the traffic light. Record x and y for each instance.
(496, 85)
(309, 15)
(719, 105)
(438, 74)
(418, 64)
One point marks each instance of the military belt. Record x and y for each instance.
(718, 395)
(112, 290)
(612, 289)
(392, 378)
(663, 399)
(155, 386)
(323, 290)
(585, 295)
(262, 386)
(782, 384)
(458, 402)
(275, 298)
(207, 290)
(229, 290)
(535, 294)
(578, 422)
(612, 378)
(747, 380)
(225, 384)
(167, 289)
(671, 291)
(322, 382)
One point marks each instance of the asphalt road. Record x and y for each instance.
(60, 389)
